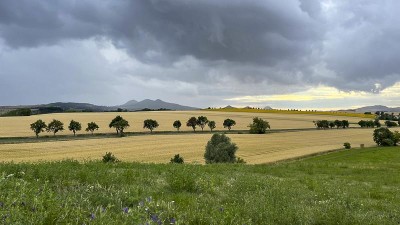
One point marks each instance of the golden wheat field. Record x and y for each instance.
(160, 148)
(253, 148)
(20, 126)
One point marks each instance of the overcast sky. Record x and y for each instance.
(286, 54)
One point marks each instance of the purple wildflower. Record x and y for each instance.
(92, 216)
(154, 217)
(126, 210)
(172, 221)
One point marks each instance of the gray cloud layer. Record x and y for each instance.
(242, 47)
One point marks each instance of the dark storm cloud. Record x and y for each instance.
(272, 46)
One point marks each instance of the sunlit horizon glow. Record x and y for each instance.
(321, 93)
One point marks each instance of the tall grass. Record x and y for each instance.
(348, 187)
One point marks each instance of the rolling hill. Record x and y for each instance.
(154, 105)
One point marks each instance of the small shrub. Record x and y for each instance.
(220, 149)
(177, 159)
(347, 145)
(240, 160)
(109, 158)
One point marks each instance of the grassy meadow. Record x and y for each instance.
(19, 126)
(358, 186)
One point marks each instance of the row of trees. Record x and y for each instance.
(120, 124)
(369, 123)
(55, 126)
(387, 116)
(325, 124)
(202, 121)
(376, 123)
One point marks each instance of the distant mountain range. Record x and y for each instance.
(154, 104)
(131, 105)
(376, 108)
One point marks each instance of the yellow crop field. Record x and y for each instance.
(160, 148)
(20, 126)
(329, 113)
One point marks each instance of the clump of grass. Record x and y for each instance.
(181, 179)
(109, 158)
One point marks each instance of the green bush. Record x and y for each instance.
(384, 137)
(177, 159)
(109, 158)
(220, 149)
(347, 145)
(259, 126)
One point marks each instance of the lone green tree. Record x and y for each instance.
(259, 126)
(150, 124)
(202, 121)
(177, 124)
(38, 127)
(220, 149)
(383, 137)
(55, 126)
(92, 126)
(229, 123)
(119, 124)
(74, 126)
(211, 125)
(192, 122)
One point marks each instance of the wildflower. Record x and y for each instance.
(172, 221)
(221, 209)
(126, 210)
(154, 217)
(92, 216)
(141, 203)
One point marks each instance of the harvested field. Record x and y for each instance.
(19, 126)
(254, 149)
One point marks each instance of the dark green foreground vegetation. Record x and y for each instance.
(359, 186)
